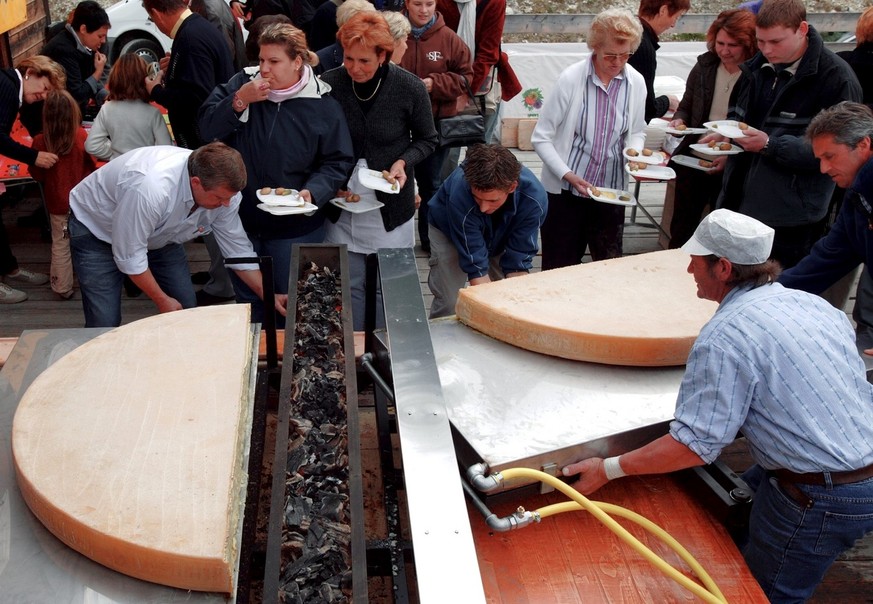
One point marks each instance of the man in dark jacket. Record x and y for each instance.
(484, 222)
(656, 17)
(219, 14)
(842, 140)
(199, 60)
(791, 79)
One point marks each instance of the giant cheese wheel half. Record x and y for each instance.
(130, 448)
(638, 310)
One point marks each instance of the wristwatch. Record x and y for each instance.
(238, 104)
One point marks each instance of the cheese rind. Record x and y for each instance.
(638, 310)
(128, 449)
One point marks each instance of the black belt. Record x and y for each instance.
(818, 478)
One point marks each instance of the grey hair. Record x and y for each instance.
(849, 123)
(397, 23)
(615, 23)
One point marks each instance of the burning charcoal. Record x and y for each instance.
(316, 549)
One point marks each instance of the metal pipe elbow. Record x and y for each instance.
(520, 519)
(486, 484)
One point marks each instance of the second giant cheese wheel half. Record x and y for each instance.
(638, 310)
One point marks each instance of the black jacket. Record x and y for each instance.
(645, 60)
(860, 59)
(10, 86)
(398, 126)
(300, 143)
(782, 186)
(199, 61)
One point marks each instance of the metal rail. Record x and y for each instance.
(447, 569)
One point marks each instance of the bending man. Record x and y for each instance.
(132, 216)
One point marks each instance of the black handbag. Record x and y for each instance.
(462, 130)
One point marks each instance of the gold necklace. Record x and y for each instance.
(379, 83)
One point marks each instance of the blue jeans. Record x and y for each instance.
(790, 547)
(101, 281)
(280, 251)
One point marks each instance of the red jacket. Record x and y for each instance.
(442, 56)
(490, 15)
(69, 171)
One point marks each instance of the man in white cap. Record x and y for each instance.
(780, 366)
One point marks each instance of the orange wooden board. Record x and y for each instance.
(572, 557)
(639, 310)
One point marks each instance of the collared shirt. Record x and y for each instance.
(185, 14)
(143, 201)
(79, 46)
(781, 366)
(596, 151)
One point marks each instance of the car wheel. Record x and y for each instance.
(149, 50)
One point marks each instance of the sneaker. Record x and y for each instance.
(25, 277)
(11, 296)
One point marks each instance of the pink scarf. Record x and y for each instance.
(277, 96)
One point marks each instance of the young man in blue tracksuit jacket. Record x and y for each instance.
(484, 223)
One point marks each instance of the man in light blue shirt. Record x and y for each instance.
(780, 366)
(132, 216)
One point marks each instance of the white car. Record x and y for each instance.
(133, 31)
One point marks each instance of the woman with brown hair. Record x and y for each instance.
(731, 41)
(291, 134)
(29, 83)
(389, 115)
(127, 120)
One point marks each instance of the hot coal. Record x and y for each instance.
(316, 536)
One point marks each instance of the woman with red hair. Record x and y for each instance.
(731, 41)
(389, 115)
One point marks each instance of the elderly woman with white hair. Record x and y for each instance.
(596, 110)
(400, 29)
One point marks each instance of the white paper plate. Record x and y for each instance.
(728, 128)
(618, 193)
(357, 207)
(306, 208)
(685, 132)
(373, 180)
(653, 172)
(271, 199)
(707, 150)
(690, 162)
(657, 157)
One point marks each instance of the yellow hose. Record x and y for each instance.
(599, 510)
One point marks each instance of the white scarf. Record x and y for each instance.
(467, 23)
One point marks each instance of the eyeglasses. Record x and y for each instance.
(611, 57)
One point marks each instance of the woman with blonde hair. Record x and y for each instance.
(29, 83)
(595, 112)
(291, 134)
(127, 120)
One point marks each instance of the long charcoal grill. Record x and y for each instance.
(335, 259)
